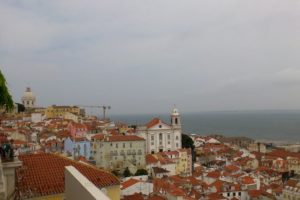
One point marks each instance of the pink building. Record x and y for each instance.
(77, 129)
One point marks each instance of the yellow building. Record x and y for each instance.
(184, 162)
(60, 111)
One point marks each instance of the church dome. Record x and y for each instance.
(28, 95)
(28, 98)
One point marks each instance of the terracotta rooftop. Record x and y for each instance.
(129, 183)
(151, 159)
(159, 170)
(247, 180)
(214, 174)
(154, 122)
(99, 136)
(43, 174)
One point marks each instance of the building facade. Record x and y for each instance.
(78, 146)
(161, 136)
(60, 111)
(119, 151)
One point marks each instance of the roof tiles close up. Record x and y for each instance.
(43, 174)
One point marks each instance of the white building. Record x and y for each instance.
(28, 98)
(133, 186)
(161, 136)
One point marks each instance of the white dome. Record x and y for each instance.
(28, 95)
(28, 98)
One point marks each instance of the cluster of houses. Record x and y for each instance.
(148, 160)
(154, 148)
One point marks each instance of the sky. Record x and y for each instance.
(147, 56)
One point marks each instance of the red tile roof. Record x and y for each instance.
(214, 174)
(153, 122)
(151, 159)
(231, 168)
(43, 174)
(99, 136)
(247, 180)
(129, 183)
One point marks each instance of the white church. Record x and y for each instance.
(161, 136)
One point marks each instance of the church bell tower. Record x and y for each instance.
(175, 119)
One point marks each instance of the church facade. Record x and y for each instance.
(161, 136)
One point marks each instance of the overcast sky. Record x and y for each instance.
(144, 56)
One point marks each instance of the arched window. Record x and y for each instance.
(176, 120)
(160, 136)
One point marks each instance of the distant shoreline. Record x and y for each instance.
(276, 126)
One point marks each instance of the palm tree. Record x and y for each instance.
(6, 101)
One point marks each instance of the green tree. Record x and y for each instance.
(126, 172)
(141, 172)
(21, 107)
(115, 172)
(6, 101)
(188, 142)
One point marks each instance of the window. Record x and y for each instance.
(234, 194)
(152, 137)
(123, 145)
(152, 143)
(176, 144)
(130, 144)
(169, 136)
(160, 136)
(228, 194)
(159, 126)
(117, 145)
(240, 194)
(176, 137)
(139, 152)
(169, 142)
(111, 144)
(176, 120)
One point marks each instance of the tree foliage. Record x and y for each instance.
(21, 107)
(126, 172)
(141, 172)
(5, 97)
(115, 172)
(187, 142)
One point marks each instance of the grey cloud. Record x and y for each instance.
(145, 56)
